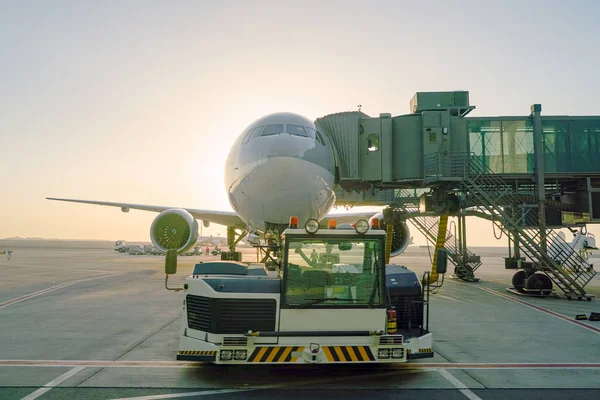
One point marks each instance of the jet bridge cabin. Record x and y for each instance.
(332, 299)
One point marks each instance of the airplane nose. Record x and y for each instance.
(284, 173)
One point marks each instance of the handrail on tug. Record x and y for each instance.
(426, 288)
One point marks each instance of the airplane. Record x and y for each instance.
(281, 165)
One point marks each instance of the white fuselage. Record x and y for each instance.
(276, 170)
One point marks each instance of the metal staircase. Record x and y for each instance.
(556, 259)
(464, 261)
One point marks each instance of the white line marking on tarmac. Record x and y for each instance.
(104, 271)
(53, 383)
(275, 385)
(189, 394)
(51, 289)
(459, 385)
(544, 310)
(449, 298)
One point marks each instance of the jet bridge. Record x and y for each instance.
(528, 174)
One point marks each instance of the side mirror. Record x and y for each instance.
(441, 265)
(171, 262)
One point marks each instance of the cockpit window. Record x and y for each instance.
(296, 130)
(273, 130)
(320, 138)
(247, 136)
(252, 133)
(311, 132)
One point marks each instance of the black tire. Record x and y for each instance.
(518, 280)
(538, 282)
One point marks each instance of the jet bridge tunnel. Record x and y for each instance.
(438, 161)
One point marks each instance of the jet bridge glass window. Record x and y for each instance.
(296, 130)
(273, 130)
(373, 142)
(333, 273)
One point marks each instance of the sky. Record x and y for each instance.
(139, 101)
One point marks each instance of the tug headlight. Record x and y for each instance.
(397, 353)
(362, 226)
(240, 354)
(226, 355)
(383, 353)
(311, 226)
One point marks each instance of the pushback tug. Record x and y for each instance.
(330, 299)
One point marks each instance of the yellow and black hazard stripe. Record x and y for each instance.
(348, 353)
(420, 353)
(426, 350)
(197, 355)
(198, 352)
(275, 354)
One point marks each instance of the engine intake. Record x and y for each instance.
(174, 229)
(400, 237)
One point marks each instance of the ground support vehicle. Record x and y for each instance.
(331, 299)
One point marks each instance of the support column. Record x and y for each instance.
(459, 239)
(516, 248)
(538, 149)
(464, 231)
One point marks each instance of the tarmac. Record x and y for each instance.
(79, 320)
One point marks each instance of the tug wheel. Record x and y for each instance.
(518, 280)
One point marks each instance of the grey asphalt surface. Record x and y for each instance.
(114, 308)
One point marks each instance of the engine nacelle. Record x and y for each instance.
(174, 229)
(400, 237)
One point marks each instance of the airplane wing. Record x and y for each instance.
(226, 218)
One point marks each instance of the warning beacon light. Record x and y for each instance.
(375, 223)
(332, 224)
(311, 226)
(293, 222)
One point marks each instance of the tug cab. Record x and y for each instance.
(330, 299)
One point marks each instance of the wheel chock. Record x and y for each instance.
(594, 316)
(580, 317)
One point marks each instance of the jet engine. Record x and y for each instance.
(400, 237)
(174, 229)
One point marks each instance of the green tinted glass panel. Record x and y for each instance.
(332, 272)
(506, 147)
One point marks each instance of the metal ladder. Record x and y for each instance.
(465, 262)
(565, 267)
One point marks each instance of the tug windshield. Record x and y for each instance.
(333, 272)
